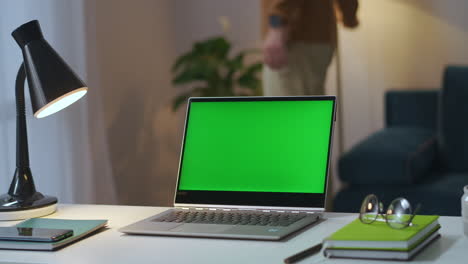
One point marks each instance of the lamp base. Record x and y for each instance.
(12, 208)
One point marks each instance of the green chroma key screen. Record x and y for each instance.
(257, 146)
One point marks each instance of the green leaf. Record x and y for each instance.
(236, 63)
(187, 76)
(186, 58)
(179, 100)
(254, 68)
(217, 47)
(209, 62)
(249, 79)
(209, 92)
(183, 97)
(202, 70)
(202, 61)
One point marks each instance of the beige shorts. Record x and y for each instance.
(304, 74)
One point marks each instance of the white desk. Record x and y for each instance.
(113, 247)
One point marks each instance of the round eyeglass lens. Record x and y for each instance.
(369, 209)
(399, 213)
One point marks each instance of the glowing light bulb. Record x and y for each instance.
(61, 102)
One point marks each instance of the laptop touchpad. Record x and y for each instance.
(201, 228)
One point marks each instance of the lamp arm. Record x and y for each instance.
(22, 151)
(22, 185)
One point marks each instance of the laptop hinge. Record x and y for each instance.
(294, 211)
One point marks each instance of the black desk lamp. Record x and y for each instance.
(52, 87)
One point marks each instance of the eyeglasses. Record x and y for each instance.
(399, 213)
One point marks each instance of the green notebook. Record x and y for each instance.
(80, 228)
(380, 254)
(379, 236)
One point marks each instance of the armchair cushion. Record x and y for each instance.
(440, 196)
(453, 129)
(394, 155)
(412, 108)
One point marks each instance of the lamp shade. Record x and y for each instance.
(52, 83)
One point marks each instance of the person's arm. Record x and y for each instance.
(348, 12)
(281, 15)
(286, 10)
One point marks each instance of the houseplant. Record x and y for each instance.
(209, 70)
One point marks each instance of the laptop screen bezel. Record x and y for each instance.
(254, 199)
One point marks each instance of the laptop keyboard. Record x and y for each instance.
(231, 218)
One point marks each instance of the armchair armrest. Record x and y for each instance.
(417, 108)
(391, 156)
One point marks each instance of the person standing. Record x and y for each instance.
(299, 39)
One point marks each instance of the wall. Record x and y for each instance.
(133, 50)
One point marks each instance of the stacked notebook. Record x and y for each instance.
(379, 241)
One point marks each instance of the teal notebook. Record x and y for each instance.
(379, 236)
(81, 228)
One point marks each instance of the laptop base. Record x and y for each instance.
(255, 232)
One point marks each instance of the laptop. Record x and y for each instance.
(250, 168)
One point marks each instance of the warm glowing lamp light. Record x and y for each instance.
(53, 86)
(61, 103)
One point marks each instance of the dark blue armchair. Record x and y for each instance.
(421, 154)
